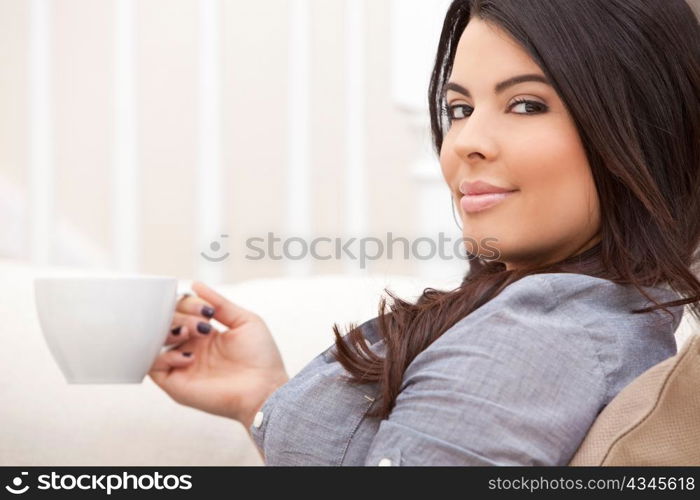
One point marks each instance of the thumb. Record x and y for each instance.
(167, 361)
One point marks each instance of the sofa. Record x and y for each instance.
(46, 421)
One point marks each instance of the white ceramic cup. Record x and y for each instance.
(106, 329)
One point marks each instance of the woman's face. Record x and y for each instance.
(532, 148)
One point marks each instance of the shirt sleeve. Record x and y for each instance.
(258, 430)
(517, 383)
(259, 425)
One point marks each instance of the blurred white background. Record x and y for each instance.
(136, 134)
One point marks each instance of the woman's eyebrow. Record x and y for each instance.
(500, 87)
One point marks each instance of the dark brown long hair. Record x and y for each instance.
(629, 74)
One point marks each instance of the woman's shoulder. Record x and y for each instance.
(564, 296)
(524, 335)
(583, 298)
(586, 307)
(553, 318)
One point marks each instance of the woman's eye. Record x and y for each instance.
(452, 109)
(527, 107)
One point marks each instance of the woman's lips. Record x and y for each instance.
(480, 202)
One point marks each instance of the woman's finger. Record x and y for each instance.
(178, 335)
(196, 325)
(195, 306)
(169, 360)
(225, 311)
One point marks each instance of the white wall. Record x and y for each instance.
(137, 132)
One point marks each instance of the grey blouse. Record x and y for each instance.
(517, 382)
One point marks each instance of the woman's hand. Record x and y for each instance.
(229, 373)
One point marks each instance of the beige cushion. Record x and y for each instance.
(654, 421)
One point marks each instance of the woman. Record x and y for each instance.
(596, 154)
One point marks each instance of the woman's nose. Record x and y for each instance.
(475, 139)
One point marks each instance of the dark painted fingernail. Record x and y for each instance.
(187, 354)
(176, 330)
(203, 327)
(207, 311)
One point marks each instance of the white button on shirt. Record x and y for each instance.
(258, 419)
(384, 462)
